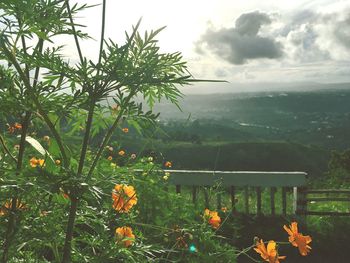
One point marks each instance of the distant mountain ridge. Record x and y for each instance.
(210, 88)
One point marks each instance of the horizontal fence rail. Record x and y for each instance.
(327, 195)
(237, 178)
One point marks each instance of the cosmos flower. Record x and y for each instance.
(34, 162)
(297, 239)
(124, 198)
(125, 236)
(8, 205)
(168, 164)
(213, 218)
(269, 254)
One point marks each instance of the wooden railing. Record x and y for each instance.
(323, 195)
(247, 180)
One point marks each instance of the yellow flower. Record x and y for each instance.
(58, 162)
(125, 130)
(168, 164)
(35, 162)
(124, 198)
(213, 218)
(109, 158)
(270, 254)
(46, 138)
(121, 153)
(125, 236)
(297, 239)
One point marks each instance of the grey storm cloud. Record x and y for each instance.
(342, 32)
(241, 43)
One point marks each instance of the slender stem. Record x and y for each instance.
(74, 32)
(108, 136)
(46, 118)
(74, 198)
(37, 70)
(102, 36)
(70, 228)
(6, 150)
(13, 213)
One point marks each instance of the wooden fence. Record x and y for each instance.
(247, 180)
(256, 181)
(306, 196)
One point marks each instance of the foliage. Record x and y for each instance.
(55, 188)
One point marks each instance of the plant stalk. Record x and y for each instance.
(46, 118)
(75, 195)
(13, 211)
(108, 136)
(75, 199)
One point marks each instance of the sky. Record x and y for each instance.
(242, 42)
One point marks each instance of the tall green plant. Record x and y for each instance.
(38, 84)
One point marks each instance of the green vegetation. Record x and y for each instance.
(77, 186)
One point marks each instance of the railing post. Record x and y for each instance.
(284, 201)
(301, 203)
(206, 197)
(246, 199)
(233, 200)
(258, 201)
(178, 189)
(194, 194)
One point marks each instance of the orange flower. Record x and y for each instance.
(8, 206)
(17, 126)
(297, 239)
(14, 127)
(224, 209)
(125, 130)
(35, 162)
(168, 164)
(213, 219)
(125, 236)
(121, 153)
(270, 254)
(124, 198)
(109, 158)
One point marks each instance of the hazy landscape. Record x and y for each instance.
(275, 130)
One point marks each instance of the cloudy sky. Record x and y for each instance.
(249, 41)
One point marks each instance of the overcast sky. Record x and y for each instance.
(249, 41)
